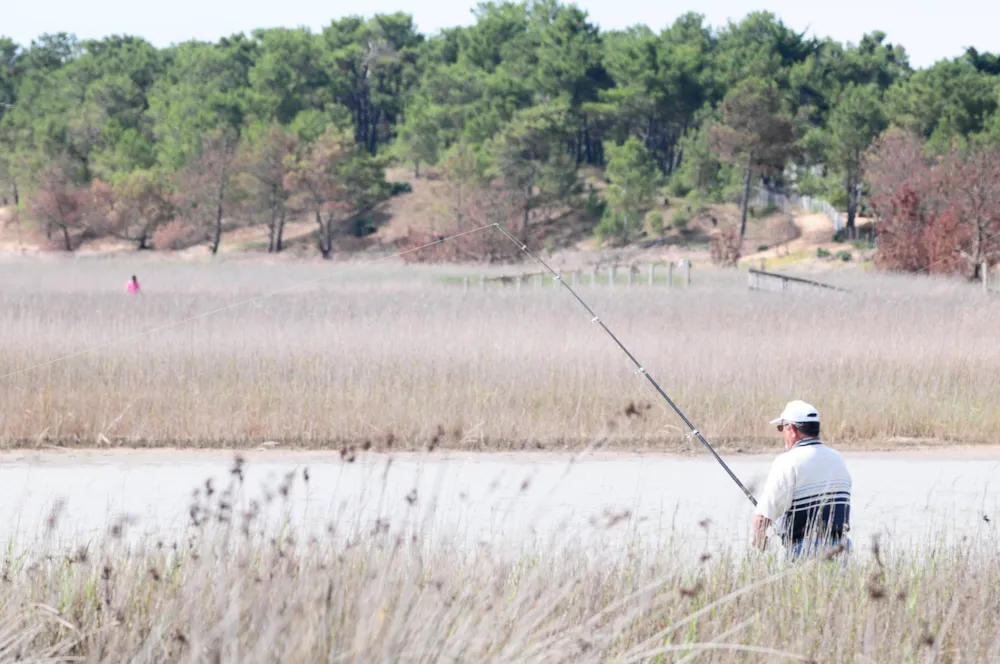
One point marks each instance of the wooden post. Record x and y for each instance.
(611, 276)
(986, 277)
(576, 278)
(652, 273)
(631, 275)
(593, 276)
(687, 272)
(670, 274)
(466, 284)
(518, 282)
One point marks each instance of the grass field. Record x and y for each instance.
(354, 355)
(233, 590)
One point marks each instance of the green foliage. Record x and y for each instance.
(594, 205)
(695, 204)
(336, 182)
(761, 212)
(529, 156)
(844, 255)
(398, 188)
(655, 220)
(612, 224)
(527, 94)
(420, 136)
(362, 226)
(680, 219)
(853, 125)
(837, 195)
(203, 87)
(309, 125)
(951, 98)
(634, 182)
(701, 170)
(822, 253)
(754, 132)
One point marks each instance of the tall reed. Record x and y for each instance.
(344, 355)
(232, 589)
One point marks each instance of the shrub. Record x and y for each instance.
(822, 253)
(175, 235)
(844, 255)
(595, 205)
(695, 205)
(680, 219)
(363, 226)
(759, 213)
(397, 188)
(656, 222)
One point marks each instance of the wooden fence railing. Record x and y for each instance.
(755, 278)
(630, 274)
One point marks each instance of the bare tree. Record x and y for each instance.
(470, 200)
(60, 205)
(336, 183)
(262, 165)
(141, 203)
(938, 214)
(205, 191)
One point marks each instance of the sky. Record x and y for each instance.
(929, 29)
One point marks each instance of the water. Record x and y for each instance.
(481, 497)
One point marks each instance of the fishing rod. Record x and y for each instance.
(595, 319)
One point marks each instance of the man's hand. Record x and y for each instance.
(759, 531)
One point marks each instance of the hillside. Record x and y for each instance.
(773, 239)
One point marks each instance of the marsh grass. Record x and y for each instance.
(234, 589)
(393, 356)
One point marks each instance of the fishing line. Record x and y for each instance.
(639, 368)
(241, 303)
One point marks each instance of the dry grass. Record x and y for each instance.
(391, 353)
(230, 590)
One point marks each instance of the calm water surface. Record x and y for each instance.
(488, 497)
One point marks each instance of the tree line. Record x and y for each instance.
(164, 147)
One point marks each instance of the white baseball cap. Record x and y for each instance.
(797, 412)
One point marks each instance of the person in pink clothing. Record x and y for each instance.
(133, 286)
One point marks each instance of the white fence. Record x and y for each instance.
(767, 198)
(817, 206)
(627, 274)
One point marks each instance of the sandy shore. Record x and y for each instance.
(140, 456)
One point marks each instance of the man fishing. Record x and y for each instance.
(808, 491)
